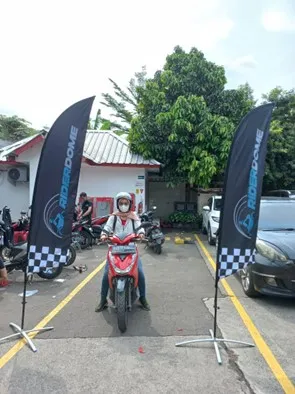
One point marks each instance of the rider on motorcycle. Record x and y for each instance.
(122, 220)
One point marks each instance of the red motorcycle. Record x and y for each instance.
(85, 235)
(99, 221)
(123, 273)
(21, 228)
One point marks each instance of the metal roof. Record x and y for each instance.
(101, 147)
(106, 147)
(6, 150)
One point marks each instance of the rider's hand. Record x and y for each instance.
(141, 236)
(103, 238)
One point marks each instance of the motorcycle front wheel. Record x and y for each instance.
(72, 257)
(51, 273)
(5, 253)
(122, 311)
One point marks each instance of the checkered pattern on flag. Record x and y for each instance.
(240, 207)
(232, 260)
(46, 258)
(54, 196)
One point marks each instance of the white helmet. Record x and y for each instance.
(126, 196)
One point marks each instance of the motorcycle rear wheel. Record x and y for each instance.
(158, 249)
(122, 311)
(87, 239)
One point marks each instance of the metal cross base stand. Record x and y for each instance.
(215, 342)
(24, 334)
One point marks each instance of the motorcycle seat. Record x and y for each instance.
(96, 228)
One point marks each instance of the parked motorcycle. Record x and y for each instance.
(100, 220)
(18, 261)
(13, 243)
(154, 235)
(86, 235)
(123, 273)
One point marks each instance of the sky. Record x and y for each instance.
(54, 53)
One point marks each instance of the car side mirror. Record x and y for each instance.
(206, 208)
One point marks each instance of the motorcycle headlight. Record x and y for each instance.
(215, 218)
(118, 270)
(270, 252)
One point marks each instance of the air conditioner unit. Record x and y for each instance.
(18, 174)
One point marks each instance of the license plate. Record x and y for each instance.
(122, 249)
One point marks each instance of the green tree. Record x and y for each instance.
(124, 103)
(280, 159)
(13, 128)
(186, 119)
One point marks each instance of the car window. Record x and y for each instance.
(217, 204)
(210, 203)
(276, 216)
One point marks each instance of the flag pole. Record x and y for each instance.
(241, 199)
(19, 330)
(213, 333)
(48, 245)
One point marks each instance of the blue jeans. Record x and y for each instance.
(105, 280)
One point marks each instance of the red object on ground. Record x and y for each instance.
(4, 282)
(140, 349)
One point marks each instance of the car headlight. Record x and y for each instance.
(215, 218)
(270, 252)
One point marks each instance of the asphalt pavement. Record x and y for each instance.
(275, 320)
(86, 351)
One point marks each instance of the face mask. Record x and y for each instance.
(124, 208)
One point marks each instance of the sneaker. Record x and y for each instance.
(102, 305)
(144, 303)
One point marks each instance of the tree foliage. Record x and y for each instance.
(280, 160)
(124, 103)
(13, 128)
(186, 119)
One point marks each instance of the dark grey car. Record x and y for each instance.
(274, 270)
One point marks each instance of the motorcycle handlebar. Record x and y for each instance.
(135, 239)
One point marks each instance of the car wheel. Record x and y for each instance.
(248, 282)
(210, 239)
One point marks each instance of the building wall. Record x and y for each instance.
(164, 197)
(108, 181)
(96, 181)
(15, 196)
(31, 156)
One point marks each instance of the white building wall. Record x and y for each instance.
(96, 181)
(15, 196)
(99, 181)
(31, 156)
